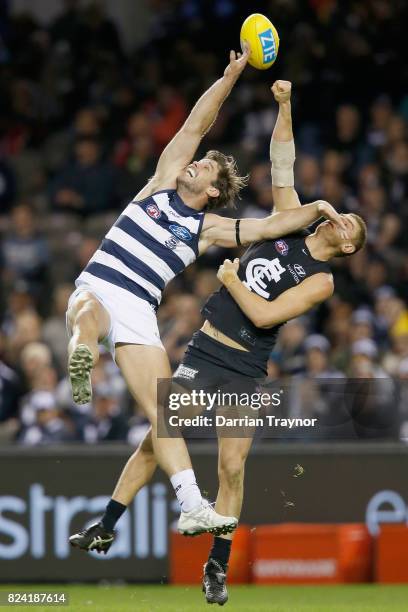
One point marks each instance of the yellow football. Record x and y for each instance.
(261, 36)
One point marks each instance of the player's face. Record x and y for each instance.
(198, 176)
(332, 234)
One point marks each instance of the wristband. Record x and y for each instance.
(237, 238)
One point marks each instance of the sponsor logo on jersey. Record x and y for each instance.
(299, 270)
(153, 211)
(180, 232)
(296, 271)
(282, 247)
(184, 371)
(172, 243)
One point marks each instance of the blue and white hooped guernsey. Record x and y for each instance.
(151, 242)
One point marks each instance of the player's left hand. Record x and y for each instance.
(328, 212)
(228, 271)
(282, 91)
(237, 63)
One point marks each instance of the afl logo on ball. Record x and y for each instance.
(180, 232)
(281, 247)
(153, 211)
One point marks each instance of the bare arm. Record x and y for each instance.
(283, 197)
(221, 231)
(290, 304)
(181, 149)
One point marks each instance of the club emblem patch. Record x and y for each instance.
(153, 211)
(282, 247)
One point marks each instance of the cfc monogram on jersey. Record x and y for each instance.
(267, 268)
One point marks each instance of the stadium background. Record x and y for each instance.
(90, 92)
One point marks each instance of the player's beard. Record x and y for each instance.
(186, 186)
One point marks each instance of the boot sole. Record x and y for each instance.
(79, 368)
(216, 531)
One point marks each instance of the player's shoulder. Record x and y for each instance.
(154, 186)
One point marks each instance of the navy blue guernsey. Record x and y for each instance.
(267, 268)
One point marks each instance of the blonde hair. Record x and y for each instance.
(228, 181)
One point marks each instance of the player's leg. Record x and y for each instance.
(88, 322)
(142, 366)
(137, 472)
(232, 454)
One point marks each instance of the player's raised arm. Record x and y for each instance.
(181, 149)
(282, 150)
(290, 304)
(226, 232)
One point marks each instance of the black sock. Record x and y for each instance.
(113, 512)
(220, 551)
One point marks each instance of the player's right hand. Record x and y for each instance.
(227, 272)
(282, 91)
(237, 63)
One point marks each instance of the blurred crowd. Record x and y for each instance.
(82, 122)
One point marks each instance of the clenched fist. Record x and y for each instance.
(227, 272)
(281, 91)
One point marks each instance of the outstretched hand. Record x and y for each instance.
(237, 63)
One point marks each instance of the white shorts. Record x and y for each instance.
(132, 320)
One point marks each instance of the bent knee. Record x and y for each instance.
(87, 309)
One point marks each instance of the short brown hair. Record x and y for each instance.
(361, 238)
(228, 181)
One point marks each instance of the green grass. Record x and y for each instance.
(141, 598)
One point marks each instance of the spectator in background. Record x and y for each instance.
(308, 179)
(25, 252)
(167, 112)
(180, 331)
(27, 329)
(289, 348)
(35, 357)
(87, 185)
(135, 156)
(107, 422)
(317, 349)
(42, 421)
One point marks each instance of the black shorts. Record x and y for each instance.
(208, 363)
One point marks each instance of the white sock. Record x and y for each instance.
(186, 489)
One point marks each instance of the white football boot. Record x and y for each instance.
(204, 519)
